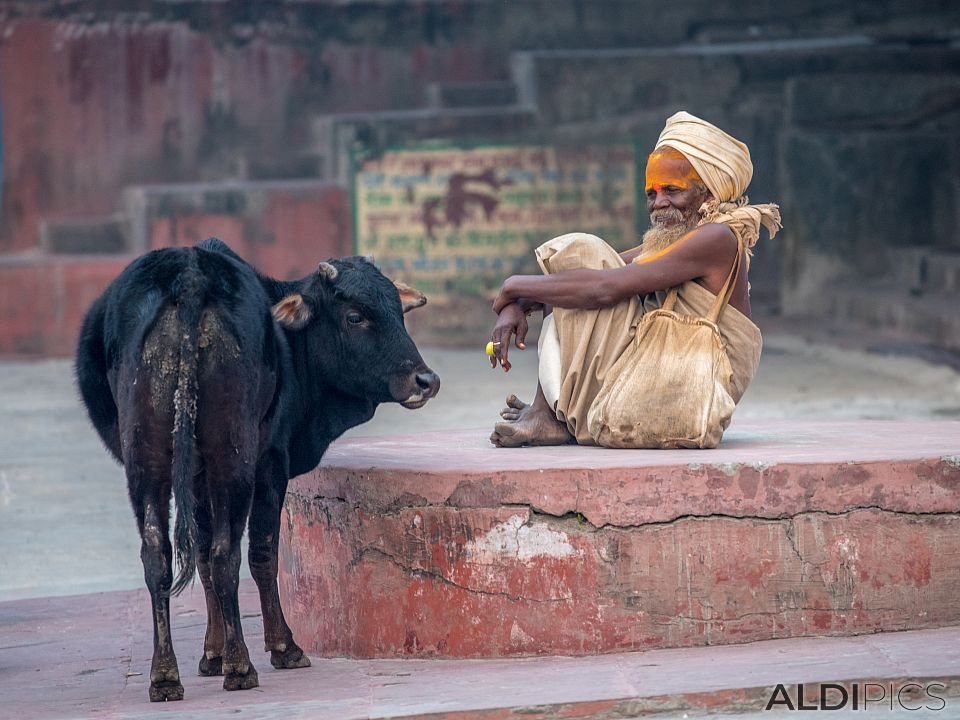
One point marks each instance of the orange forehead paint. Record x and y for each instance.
(667, 166)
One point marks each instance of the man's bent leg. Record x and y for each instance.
(589, 342)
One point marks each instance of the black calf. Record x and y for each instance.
(215, 383)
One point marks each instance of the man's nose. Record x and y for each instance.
(660, 201)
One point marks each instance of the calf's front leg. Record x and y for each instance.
(211, 662)
(264, 543)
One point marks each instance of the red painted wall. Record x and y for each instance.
(89, 109)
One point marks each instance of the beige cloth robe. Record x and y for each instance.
(578, 347)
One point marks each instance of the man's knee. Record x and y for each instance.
(577, 250)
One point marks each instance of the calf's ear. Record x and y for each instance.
(410, 297)
(292, 312)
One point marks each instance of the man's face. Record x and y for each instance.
(674, 196)
(674, 190)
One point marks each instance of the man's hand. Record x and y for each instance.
(506, 295)
(512, 320)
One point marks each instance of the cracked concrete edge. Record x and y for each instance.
(949, 464)
(576, 521)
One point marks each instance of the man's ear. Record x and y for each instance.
(410, 297)
(292, 312)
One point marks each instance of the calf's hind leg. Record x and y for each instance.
(152, 510)
(230, 484)
(264, 543)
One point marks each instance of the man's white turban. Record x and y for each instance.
(721, 161)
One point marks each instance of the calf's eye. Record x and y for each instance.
(354, 318)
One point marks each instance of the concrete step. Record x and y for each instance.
(933, 318)
(335, 138)
(924, 270)
(283, 228)
(96, 235)
(88, 656)
(43, 299)
(442, 545)
(471, 95)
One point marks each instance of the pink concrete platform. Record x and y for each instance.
(88, 656)
(442, 545)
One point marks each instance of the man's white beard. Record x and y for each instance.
(660, 236)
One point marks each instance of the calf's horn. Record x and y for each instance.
(328, 271)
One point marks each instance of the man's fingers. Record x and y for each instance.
(495, 340)
(521, 339)
(503, 349)
(501, 340)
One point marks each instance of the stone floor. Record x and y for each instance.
(89, 656)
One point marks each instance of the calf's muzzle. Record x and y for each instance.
(425, 385)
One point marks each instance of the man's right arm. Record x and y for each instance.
(706, 252)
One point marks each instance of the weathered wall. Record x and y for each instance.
(90, 108)
(850, 110)
(870, 161)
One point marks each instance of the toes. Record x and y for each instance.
(514, 402)
(509, 414)
(506, 436)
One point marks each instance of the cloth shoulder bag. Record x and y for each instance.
(671, 386)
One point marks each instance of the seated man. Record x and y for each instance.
(593, 298)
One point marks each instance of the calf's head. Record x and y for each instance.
(351, 317)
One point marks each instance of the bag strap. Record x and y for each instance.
(671, 298)
(724, 297)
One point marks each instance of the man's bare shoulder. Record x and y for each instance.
(713, 234)
(714, 242)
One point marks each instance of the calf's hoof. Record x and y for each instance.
(210, 666)
(166, 690)
(233, 680)
(289, 659)
(165, 681)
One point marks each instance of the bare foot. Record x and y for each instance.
(524, 424)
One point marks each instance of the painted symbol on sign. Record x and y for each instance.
(459, 199)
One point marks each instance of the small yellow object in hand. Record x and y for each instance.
(490, 348)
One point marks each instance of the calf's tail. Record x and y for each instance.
(190, 295)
